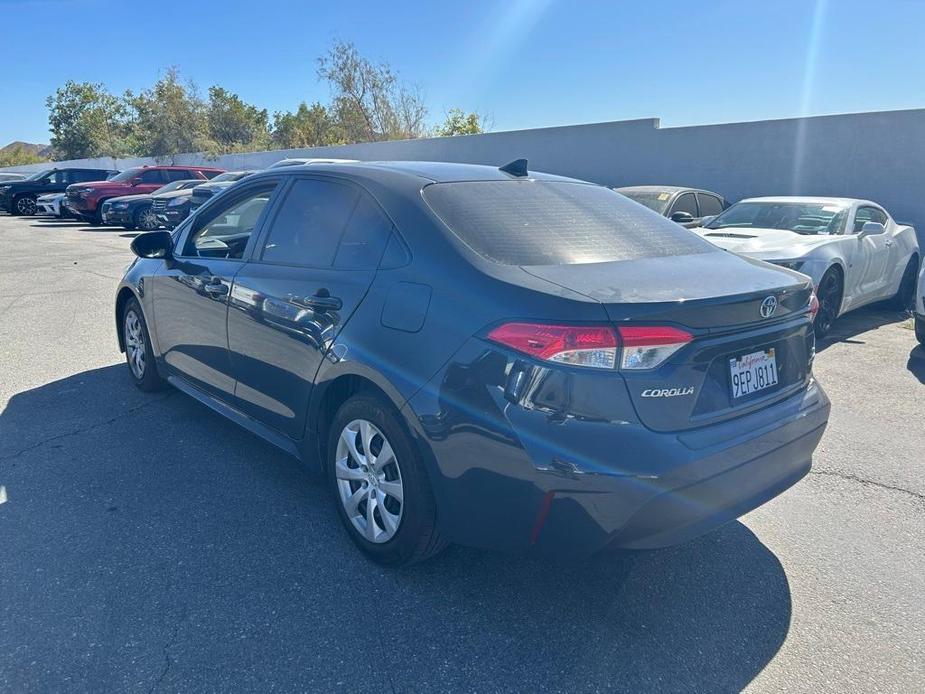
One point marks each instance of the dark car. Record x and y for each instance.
(205, 191)
(686, 206)
(134, 211)
(483, 356)
(86, 200)
(18, 197)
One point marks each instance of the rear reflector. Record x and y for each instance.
(593, 346)
(644, 347)
(647, 346)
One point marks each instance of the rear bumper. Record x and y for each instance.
(520, 478)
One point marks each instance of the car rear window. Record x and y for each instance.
(532, 222)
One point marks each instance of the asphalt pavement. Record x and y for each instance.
(146, 544)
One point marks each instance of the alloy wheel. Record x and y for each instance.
(26, 206)
(135, 344)
(147, 220)
(369, 481)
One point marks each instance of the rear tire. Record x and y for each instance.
(905, 295)
(139, 355)
(829, 294)
(390, 479)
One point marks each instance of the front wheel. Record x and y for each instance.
(145, 219)
(138, 352)
(380, 486)
(829, 294)
(25, 206)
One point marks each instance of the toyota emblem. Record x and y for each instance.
(768, 306)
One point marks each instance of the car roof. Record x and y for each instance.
(821, 200)
(663, 189)
(431, 171)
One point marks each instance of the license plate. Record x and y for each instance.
(753, 372)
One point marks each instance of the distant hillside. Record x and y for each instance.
(43, 151)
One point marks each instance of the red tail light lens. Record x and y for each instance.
(644, 347)
(593, 346)
(647, 346)
(813, 306)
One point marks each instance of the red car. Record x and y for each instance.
(84, 199)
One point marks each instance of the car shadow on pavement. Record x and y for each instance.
(148, 540)
(916, 363)
(847, 327)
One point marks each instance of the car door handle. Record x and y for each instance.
(322, 301)
(215, 287)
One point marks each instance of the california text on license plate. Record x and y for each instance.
(753, 372)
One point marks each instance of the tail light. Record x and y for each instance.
(647, 346)
(813, 306)
(643, 347)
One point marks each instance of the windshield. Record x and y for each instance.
(126, 175)
(177, 185)
(39, 174)
(555, 223)
(656, 200)
(230, 176)
(800, 217)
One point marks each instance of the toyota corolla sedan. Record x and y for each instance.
(485, 356)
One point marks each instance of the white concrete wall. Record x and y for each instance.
(879, 156)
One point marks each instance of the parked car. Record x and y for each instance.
(203, 192)
(686, 206)
(19, 197)
(86, 200)
(51, 205)
(852, 249)
(134, 211)
(920, 308)
(172, 208)
(6, 176)
(302, 161)
(483, 356)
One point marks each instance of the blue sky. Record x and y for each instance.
(527, 63)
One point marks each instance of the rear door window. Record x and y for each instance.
(532, 222)
(308, 228)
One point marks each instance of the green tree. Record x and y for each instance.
(86, 121)
(309, 126)
(234, 125)
(458, 122)
(369, 102)
(17, 155)
(168, 119)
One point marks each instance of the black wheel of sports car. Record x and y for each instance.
(904, 297)
(145, 219)
(25, 205)
(829, 294)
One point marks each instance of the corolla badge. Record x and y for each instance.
(668, 392)
(768, 306)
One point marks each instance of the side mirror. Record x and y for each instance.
(682, 217)
(870, 229)
(154, 244)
